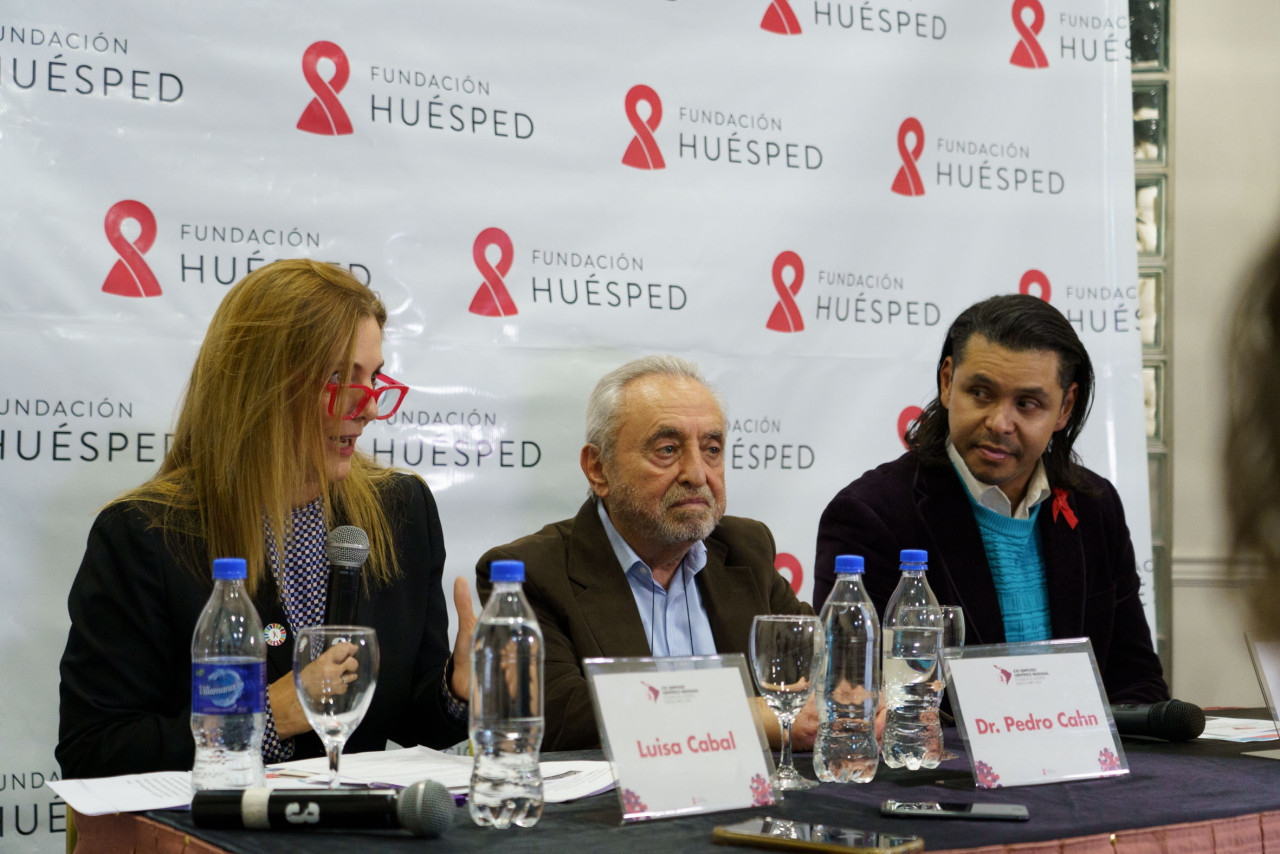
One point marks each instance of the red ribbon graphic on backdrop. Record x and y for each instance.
(1028, 53)
(325, 115)
(643, 151)
(779, 18)
(786, 314)
(1035, 277)
(907, 182)
(493, 299)
(790, 563)
(130, 276)
(905, 417)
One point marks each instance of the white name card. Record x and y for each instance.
(682, 733)
(1033, 713)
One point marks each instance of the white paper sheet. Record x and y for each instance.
(564, 780)
(1239, 729)
(127, 793)
(159, 790)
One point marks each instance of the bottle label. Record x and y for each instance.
(228, 689)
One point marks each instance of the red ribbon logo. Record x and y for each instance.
(780, 19)
(325, 115)
(1028, 53)
(1040, 280)
(905, 417)
(791, 565)
(493, 299)
(130, 276)
(786, 314)
(907, 182)
(643, 151)
(1060, 505)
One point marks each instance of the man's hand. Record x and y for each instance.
(461, 683)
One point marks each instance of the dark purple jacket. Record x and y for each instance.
(1090, 569)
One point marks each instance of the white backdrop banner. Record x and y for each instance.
(798, 194)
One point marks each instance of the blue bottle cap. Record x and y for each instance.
(506, 570)
(849, 563)
(914, 556)
(230, 569)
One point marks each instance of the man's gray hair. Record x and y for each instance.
(604, 415)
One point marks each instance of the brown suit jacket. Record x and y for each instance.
(586, 609)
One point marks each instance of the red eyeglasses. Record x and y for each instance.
(355, 398)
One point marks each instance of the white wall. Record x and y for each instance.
(1226, 197)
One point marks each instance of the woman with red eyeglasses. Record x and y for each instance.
(262, 464)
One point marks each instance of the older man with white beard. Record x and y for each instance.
(650, 566)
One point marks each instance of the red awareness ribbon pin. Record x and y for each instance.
(1060, 505)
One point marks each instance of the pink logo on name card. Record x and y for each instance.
(1028, 53)
(130, 276)
(907, 182)
(905, 417)
(789, 565)
(786, 314)
(493, 299)
(325, 115)
(781, 19)
(1034, 278)
(643, 152)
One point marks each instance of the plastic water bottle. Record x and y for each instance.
(506, 705)
(228, 685)
(849, 689)
(912, 681)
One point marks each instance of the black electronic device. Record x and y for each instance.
(1171, 720)
(424, 809)
(347, 548)
(933, 809)
(768, 832)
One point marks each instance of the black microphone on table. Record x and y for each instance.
(347, 548)
(1171, 720)
(424, 809)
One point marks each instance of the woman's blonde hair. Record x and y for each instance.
(249, 437)
(1252, 451)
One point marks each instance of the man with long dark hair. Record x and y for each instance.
(1027, 540)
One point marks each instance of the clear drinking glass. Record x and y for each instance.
(786, 654)
(952, 639)
(335, 669)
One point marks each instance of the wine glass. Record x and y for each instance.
(335, 669)
(786, 653)
(952, 639)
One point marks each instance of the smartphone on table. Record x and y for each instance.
(933, 809)
(767, 832)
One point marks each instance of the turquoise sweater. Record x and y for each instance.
(1017, 566)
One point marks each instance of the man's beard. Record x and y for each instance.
(662, 527)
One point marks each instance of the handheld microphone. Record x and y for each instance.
(347, 549)
(1171, 720)
(424, 809)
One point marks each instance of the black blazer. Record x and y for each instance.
(126, 671)
(585, 607)
(1090, 569)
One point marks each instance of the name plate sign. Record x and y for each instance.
(683, 734)
(1033, 713)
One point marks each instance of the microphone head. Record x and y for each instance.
(1174, 720)
(425, 808)
(347, 546)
